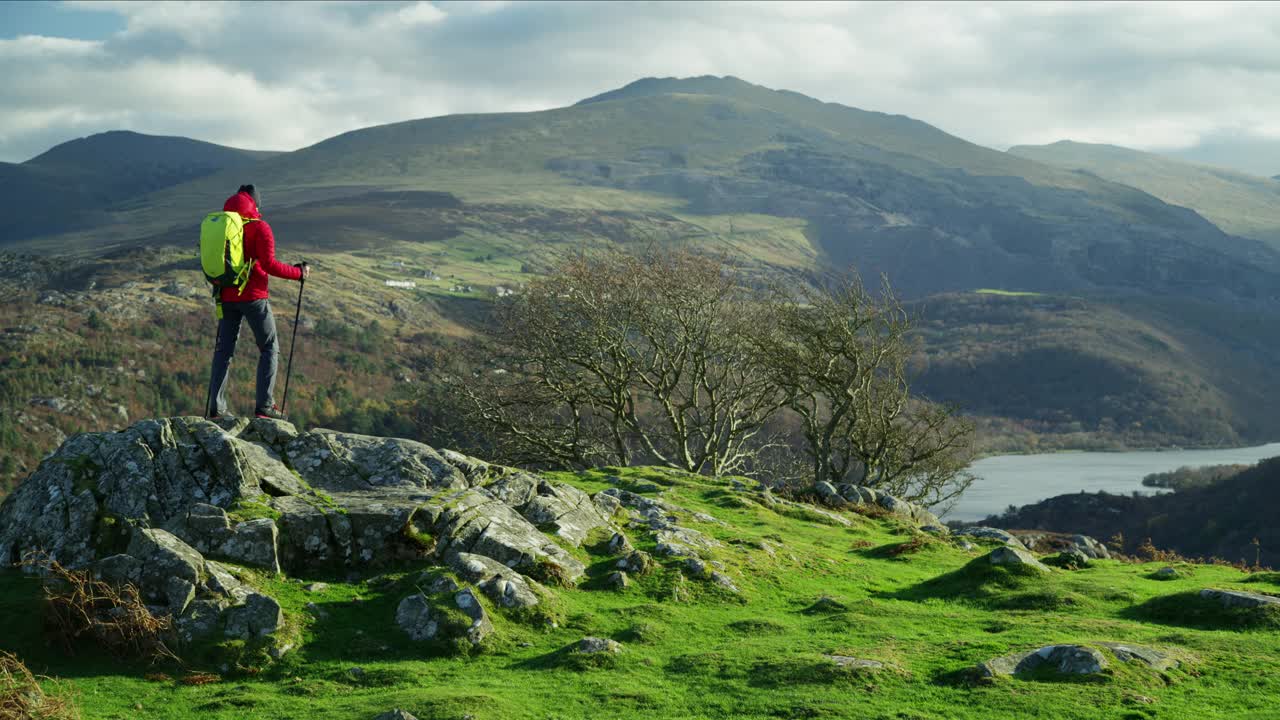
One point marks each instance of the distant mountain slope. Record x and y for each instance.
(885, 193)
(1239, 203)
(73, 184)
(1244, 153)
(1050, 372)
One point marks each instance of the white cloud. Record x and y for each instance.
(1143, 74)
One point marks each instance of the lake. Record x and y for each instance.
(1006, 480)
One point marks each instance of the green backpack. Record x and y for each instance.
(222, 251)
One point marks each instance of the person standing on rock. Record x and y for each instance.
(251, 304)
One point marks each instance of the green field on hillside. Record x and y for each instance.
(809, 588)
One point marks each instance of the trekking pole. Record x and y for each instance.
(293, 342)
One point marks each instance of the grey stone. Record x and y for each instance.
(118, 570)
(1240, 598)
(414, 617)
(178, 595)
(162, 557)
(638, 562)
(593, 645)
(617, 580)
(1094, 549)
(619, 544)
(1012, 556)
(316, 587)
(723, 581)
(505, 586)
(396, 714)
(481, 626)
(254, 543)
(1141, 654)
(1062, 659)
(472, 522)
(259, 616)
(344, 462)
(988, 533)
(696, 568)
(1166, 573)
(828, 494)
(846, 661)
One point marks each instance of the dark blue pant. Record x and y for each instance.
(263, 325)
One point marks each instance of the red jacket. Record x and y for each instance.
(260, 245)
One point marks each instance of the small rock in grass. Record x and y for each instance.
(845, 661)
(619, 544)
(1165, 573)
(617, 580)
(592, 645)
(723, 581)
(396, 714)
(1013, 556)
(316, 587)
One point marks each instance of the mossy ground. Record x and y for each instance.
(694, 650)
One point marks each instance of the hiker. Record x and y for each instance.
(253, 305)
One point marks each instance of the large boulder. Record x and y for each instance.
(1059, 659)
(1240, 598)
(1015, 557)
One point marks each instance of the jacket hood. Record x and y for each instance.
(243, 204)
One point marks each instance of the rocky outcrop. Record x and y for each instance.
(158, 504)
(847, 495)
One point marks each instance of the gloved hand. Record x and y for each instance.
(305, 268)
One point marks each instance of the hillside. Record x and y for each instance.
(1221, 520)
(1152, 328)
(322, 574)
(1240, 204)
(886, 193)
(1045, 372)
(73, 185)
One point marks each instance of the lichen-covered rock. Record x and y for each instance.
(163, 557)
(1015, 557)
(563, 510)
(473, 522)
(253, 542)
(481, 625)
(617, 580)
(504, 585)
(414, 616)
(257, 617)
(343, 462)
(637, 562)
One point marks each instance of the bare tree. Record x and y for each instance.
(619, 357)
(840, 355)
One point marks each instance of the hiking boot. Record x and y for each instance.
(271, 413)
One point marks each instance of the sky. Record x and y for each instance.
(1172, 77)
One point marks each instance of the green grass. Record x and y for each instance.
(693, 651)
